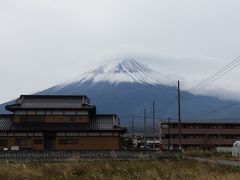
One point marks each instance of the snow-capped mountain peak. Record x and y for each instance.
(127, 70)
(131, 66)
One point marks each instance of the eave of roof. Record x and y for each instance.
(18, 104)
(18, 107)
(53, 96)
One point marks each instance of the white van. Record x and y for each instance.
(236, 149)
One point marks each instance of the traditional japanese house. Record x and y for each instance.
(49, 122)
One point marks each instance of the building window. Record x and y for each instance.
(164, 126)
(72, 134)
(3, 142)
(40, 112)
(20, 118)
(10, 134)
(20, 112)
(106, 134)
(30, 133)
(3, 134)
(82, 134)
(68, 141)
(61, 134)
(21, 134)
(82, 113)
(38, 134)
(38, 141)
(70, 118)
(94, 134)
(55, 112)
(21, 141)
(37, 118)
(115, 134)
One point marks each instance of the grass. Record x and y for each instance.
(117, 170)
(213, 155)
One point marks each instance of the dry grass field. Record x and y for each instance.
(106, 169)
(213, 155)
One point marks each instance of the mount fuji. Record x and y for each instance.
(126, 71)
(127, 87)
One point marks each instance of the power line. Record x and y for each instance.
(216, 78)
(217, 75)
(220, 73)
(213, 111)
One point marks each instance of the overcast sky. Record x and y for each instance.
(44, 42)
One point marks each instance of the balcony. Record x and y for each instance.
(175, 141)
(202, 131)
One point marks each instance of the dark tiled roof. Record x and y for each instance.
(96, 124)
(50, 102)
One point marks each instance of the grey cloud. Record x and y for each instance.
(45, 42)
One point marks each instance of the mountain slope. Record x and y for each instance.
(126, 99)
(127, 87)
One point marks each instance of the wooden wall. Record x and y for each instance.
(83, 143)
(89, 143)
(53, 119)
(30, 142)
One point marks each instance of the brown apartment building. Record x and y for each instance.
(199, 134)
(48, 122)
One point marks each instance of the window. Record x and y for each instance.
(164, 126)
(31, 112)
(21, 134)
(3, 142)
(61, 134)
(82, 113)
(55, 112)
(38, 141)
(3, 134)
(69, 118)
(70, 112)
(21, 141)
(72, 134)
(115, 134)
(106, 134)
(48, 112)
(20, 118)
(94, 134)
(82, 134)
(10, 134)
(30, 133)
(37, 118)
(38, 134)
(68, 141)
(40, 112)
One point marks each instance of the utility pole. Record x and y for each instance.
(145, 128)
(132, 126)
(179, 119)
(219, 136)
(153, 125)
(168, 133)
(171, 133)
